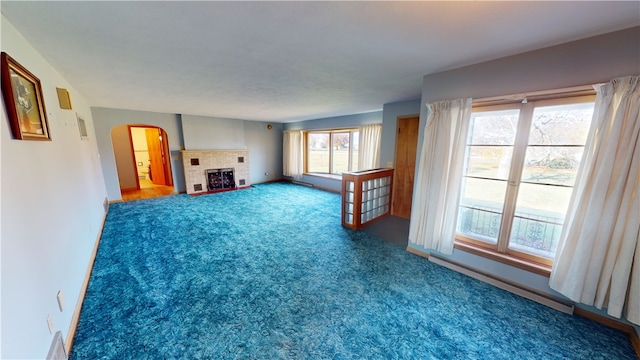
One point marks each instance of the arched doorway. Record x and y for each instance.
(142, 161)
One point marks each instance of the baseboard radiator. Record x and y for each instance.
(298, 182)
(544, 299)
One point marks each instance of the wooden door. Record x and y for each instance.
(168, 176)
(156, 157)
(405, 165)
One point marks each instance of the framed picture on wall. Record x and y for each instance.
(23, 99)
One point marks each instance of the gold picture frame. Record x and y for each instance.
(23, 100)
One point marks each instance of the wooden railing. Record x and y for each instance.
(366, 197)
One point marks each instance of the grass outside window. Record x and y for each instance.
(331, 151)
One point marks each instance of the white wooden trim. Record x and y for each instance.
(524, 95)
(83, 290)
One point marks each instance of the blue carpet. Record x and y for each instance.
(269, 273)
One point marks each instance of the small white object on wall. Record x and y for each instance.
(60, 300)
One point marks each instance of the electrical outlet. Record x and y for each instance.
(50, 323)
(60, 301)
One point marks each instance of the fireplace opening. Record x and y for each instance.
(219, 179)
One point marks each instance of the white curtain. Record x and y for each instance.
(292, 154)
(595, 263)
(439, 176)
(369, 147)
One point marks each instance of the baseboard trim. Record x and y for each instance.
(270, 181)
(210, 192)
(635, 342)
(308, 184)
(630, 330)
(71, 333)
(327, 189)
(417, 252)
(299, 182)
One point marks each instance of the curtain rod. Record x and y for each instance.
(524, 95)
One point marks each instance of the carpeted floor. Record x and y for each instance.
(392, 229)
(269, 273)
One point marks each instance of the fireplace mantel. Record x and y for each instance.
(197, 162)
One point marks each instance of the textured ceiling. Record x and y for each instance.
(287, 61)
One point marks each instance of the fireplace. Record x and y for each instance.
(219, 179)
(199, 163)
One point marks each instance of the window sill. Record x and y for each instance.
(519, 263)
(326, 176)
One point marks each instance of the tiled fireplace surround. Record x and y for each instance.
(197, 162)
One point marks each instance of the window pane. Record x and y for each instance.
(340, 144)
(535, 237)
(539, 216)
(552, 164)
(318, 156)
(483, 193)
(489, 152)
(481, 208)
(545, 200)
(489, 161)
(355, 145)
(556, 143)
(561, 125)
(493, 127)
(479, 224)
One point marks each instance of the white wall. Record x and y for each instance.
(588, 61)
(141, 151)
(347, 121)
(209, 133)
(51, 211)
(265, 150)
(139, 138)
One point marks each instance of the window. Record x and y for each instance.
(332, 151)
(520, 168)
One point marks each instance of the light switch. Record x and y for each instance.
(60, 300)
(50, 323)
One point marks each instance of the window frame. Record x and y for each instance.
(330, 132)
(500, 251)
